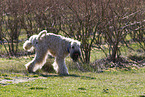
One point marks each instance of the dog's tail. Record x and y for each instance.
(41, 33)
(28, 46)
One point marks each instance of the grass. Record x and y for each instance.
(15, 65)
(78, 84)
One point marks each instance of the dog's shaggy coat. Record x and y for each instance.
(55, 45)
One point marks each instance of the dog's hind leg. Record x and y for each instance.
(38, 61)
(59, 66)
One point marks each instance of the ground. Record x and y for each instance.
(111, 82)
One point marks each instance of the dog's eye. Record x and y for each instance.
(73, 47)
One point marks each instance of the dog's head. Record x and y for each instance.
(75, 51)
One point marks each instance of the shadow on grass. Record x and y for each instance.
(70, 75)
(38, 88)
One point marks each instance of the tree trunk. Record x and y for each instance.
(114, 52)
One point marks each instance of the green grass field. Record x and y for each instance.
(78, 84)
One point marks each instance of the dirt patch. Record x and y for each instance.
(13, 80)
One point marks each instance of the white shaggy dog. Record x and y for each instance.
(55, 45)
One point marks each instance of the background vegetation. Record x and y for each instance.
(105, 25)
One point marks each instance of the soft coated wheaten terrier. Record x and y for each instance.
(56, 45)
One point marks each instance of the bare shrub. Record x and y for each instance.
(93, 22)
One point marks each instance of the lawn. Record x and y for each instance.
(78, 84)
